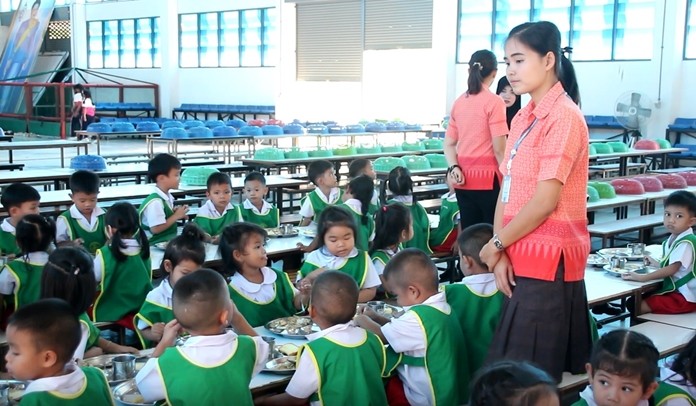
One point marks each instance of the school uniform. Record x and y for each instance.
(357, 264)
(212, 221)
(432, 364)
(476, 304)
(155, 210)
(674, 390)
(123, 286)
(72, 225)
(374, 203)
(445, 235)
(21, 277)
(157, 308)
(314, 202)
(89, 338)
(380, 258)
(8, 241)
(340, 357)
(421, 224)
(80, 386)
(205, 370)
(587, 399)
(267, 217)
(678, 292)
(262, 302)
(365, 232)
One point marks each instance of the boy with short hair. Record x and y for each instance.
(255, 209)
(158, 216)
(42, 337)
(433, 368)
(342, 364)
(18, 200)
(217, 212)
(83, 223)
(326, 193)
(476, 302)
(677, 268)
(213, 366)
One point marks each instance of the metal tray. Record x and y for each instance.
(272, 366)
(299, 332)
(124, 392)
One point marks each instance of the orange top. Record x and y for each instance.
(556, 148)
(474, 121)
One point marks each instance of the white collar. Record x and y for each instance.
(435, 299)
(166, 196)
(211, 341)
(77, 215)
(332, 329)
(269, 278)
(213, 210)
(74, 378)
(452, 197)
(324, 253)
(354, 204)
(479, 279)
(686, 232)
(167, 290)
(132, 247)
(332, 197)
(265, 207)
(407, 199)
(7, 226)
(35, 258)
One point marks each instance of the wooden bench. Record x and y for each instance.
(687, 320)
(609, 230)
(612, 170)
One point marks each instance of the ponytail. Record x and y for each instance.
(362, 188)
(125, 223)
(568, 78)
(481, 65)
(116, 245)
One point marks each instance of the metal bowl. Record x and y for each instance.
(15, 390)
(126, 394)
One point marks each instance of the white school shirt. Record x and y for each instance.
(673, 378)
(265, 207)
(8, 227)
(153, 215)
(685, 254)
(132, 248)
(324, 259)
(407, 200)
(379, 266)
(307, 211)
(69, 384)
(208, 210)
(305, 382)
(263, 292)
(8, 283)
(357, 206)
(203, 350)
(405, 335)
(482, 284)
(588, 395)
(161, 295)
(375, 198)
(63, 229)
(82, 347)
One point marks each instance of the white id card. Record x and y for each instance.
(507, 179)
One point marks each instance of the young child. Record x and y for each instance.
(443, 237)
(83, 223)
(18, 200)
(342, 364)
(622, 370)
(213, 366)
(513, 383)
(21, 277)
(255, 209)
(678, 380)
(42, 337)
(89, 110)
(476, 302)
(326, 194)
(217, 212)
(158, 215)
(433, 368)
(400, 185)
(393, 227)
(336, 251)
(123, 269)
(362, 166)
(356, 200)
(68, 275)
(260, 293)
(677, 268)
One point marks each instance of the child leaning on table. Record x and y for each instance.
(326, 194)
(255, 209)
(158, 215)
(432, 366)
(217, 212)
(83, 223)
(677, 267)
(18, 200)
(42, 337)
(342, 364)
(214, 366)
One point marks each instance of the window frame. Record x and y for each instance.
(154, 40)
(689, 4)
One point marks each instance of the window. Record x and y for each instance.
(12, 5)
(229, 38)
(596, 29)
(132, 43)
(690, 32)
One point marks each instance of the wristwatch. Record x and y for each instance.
(498, 244)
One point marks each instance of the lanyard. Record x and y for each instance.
(513, 151)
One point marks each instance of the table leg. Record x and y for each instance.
(11, 156)
(62, 157)
(623, 166)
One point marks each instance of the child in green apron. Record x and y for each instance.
(342, 364)
(217, 212)
(678, 379)
(21, 277)
(255, 209)
(260, 293)
(214, 366)
(122, 269)
(445, 235)
(362, 166)
(68, 275)
(400, 184)
(393, 227)
(42, 337)
(18, 200)
(356, 200)
(322, 175)
(508, 383)
(83, 223)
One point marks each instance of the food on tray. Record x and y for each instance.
(672, 181)
(605, 190)
(288, 349)
(650, 183)
(284, 364)
(133, 398)
(627, 187)
(595, 260)
(626, 269)
(291, 325)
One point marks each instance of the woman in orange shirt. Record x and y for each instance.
(540, 248)
(475, 142)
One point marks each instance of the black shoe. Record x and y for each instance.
(607, 308)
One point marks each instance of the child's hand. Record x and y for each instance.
(124, 349)
(367, 311)
(303, 248)
(215, 240)
(171, 332)
(157, 330)
(632, 276)
(180, 212)
(362, 320)
(650, 261)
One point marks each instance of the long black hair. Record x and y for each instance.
(234, 238)
(35, 233)
(390, 222)
(334, 216)
(543, 37)
(187, 246)
(511, 383)
(362, 188)
(399, 182)
(516, 106)
(685, 363)
(125, 223)
(69, 275)
(482, 63)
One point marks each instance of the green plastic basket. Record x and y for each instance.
(197, 175)
(392, 148)
(345, 151)
(603, 148)
(296, 153)
(606, 191)
(432, 144)
(592, 194)
(592, 150)
(387, 163)
(416, 162)
(320, 153)
(368, 149)
(618, 146)
(269, 154)
(415, 146)
(664, 144)
(436, 160)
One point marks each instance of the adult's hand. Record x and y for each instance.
(504, 275)
(456, 176)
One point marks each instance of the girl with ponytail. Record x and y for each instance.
(356, 199)
(541, 241)
(122, 269)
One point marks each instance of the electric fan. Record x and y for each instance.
(633, 111)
